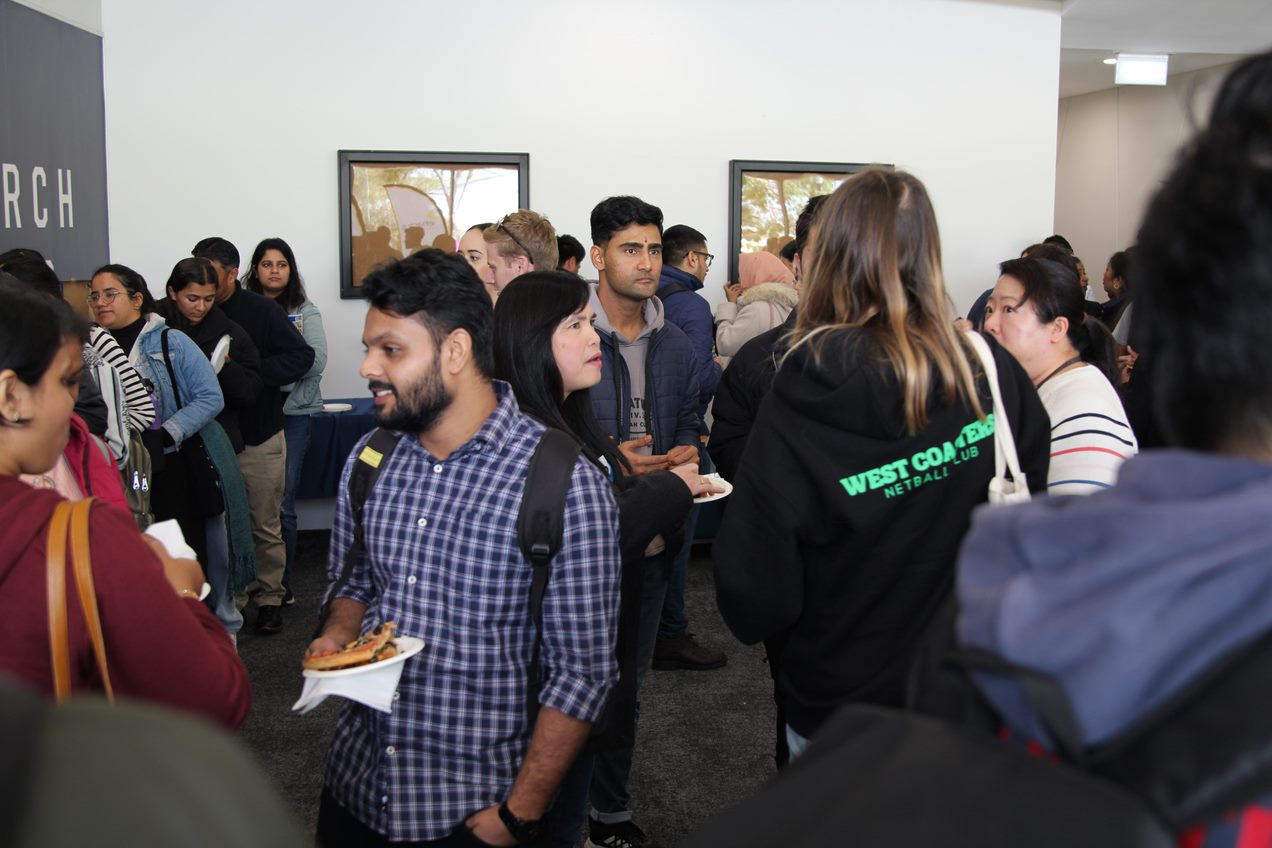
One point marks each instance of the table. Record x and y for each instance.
(332, 436)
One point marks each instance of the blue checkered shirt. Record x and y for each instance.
(443, 561)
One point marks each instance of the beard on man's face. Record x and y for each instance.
(416, 406)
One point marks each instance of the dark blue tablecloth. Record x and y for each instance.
(331, 439)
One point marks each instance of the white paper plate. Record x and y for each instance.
(337, 407)
(408, 646)
(719, 482)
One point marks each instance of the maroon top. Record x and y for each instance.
(159, 647)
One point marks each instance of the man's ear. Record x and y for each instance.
(598, 257)
(456, 352)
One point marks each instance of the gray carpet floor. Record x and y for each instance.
(705, 739)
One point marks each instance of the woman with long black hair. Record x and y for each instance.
(274, 274)
(547, 349)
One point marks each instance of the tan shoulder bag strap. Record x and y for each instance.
(72, 517)
(59, 654)
(82, 556)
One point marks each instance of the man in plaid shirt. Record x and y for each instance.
(458, 761)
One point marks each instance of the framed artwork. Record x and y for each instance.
(766, 197)
(393, 204)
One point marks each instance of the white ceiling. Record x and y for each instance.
(1196, 33)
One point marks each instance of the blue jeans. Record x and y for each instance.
(795, 743)
(296, 433)
(217, 570)
(675, 622)
(611, 772)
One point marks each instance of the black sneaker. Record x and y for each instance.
(269, 620)
(288, 597)
(624, 834)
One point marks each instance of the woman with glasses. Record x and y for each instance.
(275, 275)
(761, 299)
(122, 304)
(867, 458)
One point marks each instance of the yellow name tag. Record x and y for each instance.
(371, 456)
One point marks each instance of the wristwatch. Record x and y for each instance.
(521, 830)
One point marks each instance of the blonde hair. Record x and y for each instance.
(874, 266)
(524, 233)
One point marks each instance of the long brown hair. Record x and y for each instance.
(874, 265)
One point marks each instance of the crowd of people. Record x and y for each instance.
(857, 424)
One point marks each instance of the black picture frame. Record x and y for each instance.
(780, 170)
(357, 170)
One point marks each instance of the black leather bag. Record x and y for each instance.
(203, 483)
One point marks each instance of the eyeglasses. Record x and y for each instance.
(524, 249)
(710, 257)
(107, 296)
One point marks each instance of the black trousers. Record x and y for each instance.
(337, 828)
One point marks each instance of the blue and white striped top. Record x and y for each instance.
(1090, 436)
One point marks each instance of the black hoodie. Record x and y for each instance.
(842, 531)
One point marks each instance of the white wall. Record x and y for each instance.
(225, 118)
(1114, 149)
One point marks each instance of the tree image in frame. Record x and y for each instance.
(772, 201)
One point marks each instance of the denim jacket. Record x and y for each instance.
(201, 397)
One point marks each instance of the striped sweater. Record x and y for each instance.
(140, 409)
(1090, 437)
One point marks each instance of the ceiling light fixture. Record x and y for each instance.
(1110, 61)
(1141, 69)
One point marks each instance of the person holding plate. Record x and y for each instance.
(460, 758)
(548, 350)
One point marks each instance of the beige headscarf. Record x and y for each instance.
(762, 267)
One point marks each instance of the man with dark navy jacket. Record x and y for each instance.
(647, 401)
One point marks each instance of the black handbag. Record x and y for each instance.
(203, 483)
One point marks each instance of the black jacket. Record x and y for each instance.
(285, 358)
(737, 401)
(842, 530)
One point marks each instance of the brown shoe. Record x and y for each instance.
(687, 653)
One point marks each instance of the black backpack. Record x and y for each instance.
(540, 522)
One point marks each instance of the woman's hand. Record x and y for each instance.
(732, 291)
(698, 485)
(185, 575)
(1126, 363)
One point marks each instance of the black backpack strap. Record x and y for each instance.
(167, 361)
(540, 528)
(362, 479)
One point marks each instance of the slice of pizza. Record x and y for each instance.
(376, 645)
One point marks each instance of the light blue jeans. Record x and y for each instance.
(217, 569)
(795, 743)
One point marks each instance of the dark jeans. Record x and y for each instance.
(611, 772)
(337, 828)
(296, 433)
(674, 622)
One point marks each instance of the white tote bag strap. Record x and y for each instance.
(1001, 490)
